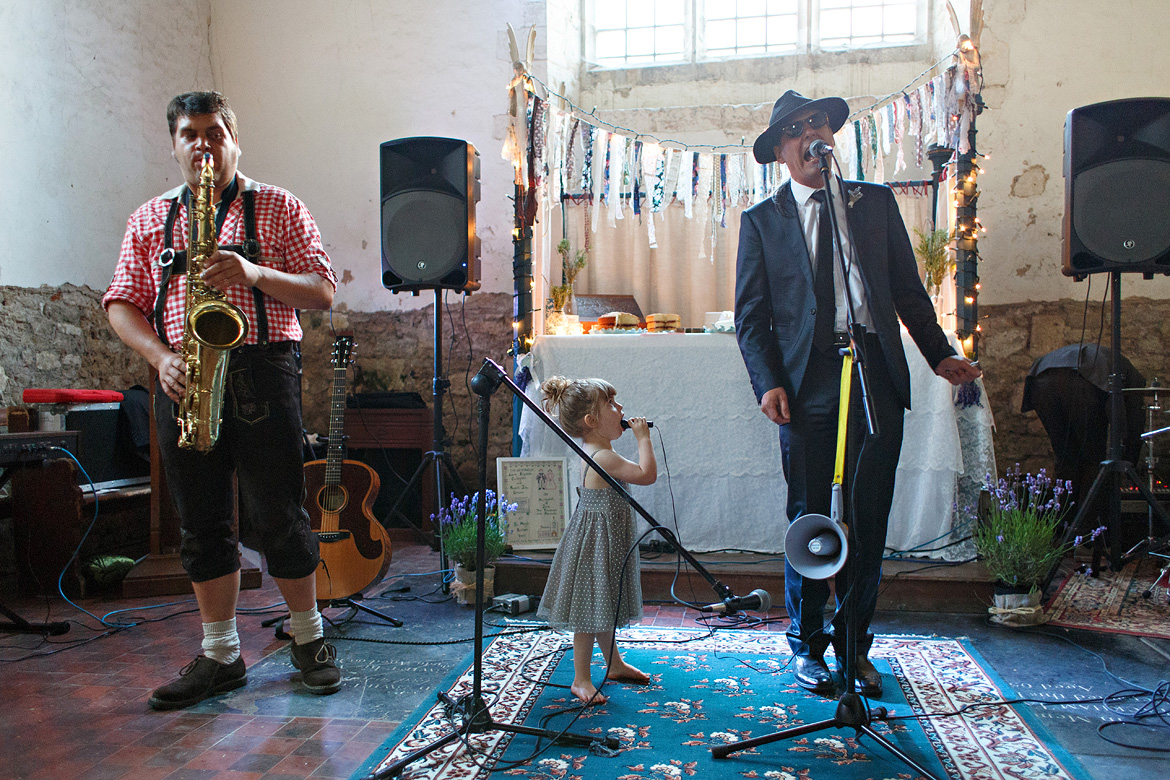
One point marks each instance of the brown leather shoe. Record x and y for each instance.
(868, 678)
(197, 681)
(812, 674)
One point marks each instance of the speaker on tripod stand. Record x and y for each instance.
(429, 188)
(1117, 220)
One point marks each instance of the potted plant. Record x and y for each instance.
(936, 262)
(1015, 535)
(571, 265)
(457, 528)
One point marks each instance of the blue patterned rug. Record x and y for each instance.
(708, 690)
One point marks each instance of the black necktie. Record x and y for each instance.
(823, 289)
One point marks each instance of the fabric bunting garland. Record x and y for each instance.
(558, 149)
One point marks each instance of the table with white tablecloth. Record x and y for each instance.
(725, 488)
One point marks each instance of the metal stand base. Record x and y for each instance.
(471, 709)
(18, 625)
(852, 712)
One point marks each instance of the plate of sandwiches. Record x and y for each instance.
(617, 322)
(663, 323)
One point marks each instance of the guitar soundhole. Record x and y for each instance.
(332, 498)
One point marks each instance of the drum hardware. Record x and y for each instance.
(1162, 580)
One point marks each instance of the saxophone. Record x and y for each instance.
(212, 327)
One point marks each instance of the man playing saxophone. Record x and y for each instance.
(269, 262)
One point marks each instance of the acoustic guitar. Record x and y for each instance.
(340, 493)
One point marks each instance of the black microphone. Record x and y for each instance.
(819, 148)
(758, 599)
(626, 424)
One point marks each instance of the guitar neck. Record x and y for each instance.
(336, 453)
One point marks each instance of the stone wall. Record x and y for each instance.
(1015, 335)
(59, 337)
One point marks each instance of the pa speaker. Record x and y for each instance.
(1117, 187)
(429, 190)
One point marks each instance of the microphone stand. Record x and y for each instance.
(472, 708)
(491, 376)
(852, 710)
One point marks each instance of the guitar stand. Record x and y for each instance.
(350, 603)
(354, 607)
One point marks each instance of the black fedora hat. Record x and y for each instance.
(788, 104)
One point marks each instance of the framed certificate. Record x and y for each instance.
(540, 488)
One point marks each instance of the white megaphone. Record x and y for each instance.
(817, 546)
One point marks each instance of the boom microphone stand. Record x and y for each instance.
(491, 376)
(852, 710)
(472, 709)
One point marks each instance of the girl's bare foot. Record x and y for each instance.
(588, 694)
(623, 672)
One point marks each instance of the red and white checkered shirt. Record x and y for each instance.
(289, 241)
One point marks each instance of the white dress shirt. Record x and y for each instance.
(809, 212)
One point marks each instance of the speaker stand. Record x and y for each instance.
(1114, 469)
(437, 457)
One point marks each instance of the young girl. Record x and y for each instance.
(591, 563)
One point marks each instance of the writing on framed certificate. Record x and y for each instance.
(540, 489)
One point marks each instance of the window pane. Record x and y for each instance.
(669, 41)
(721, 35)
(835, 24)
(857, 23)
(640, 42)
(782, 6)
(611, 44)
(900, 20)
(669, 11)
(750, 32)
(640, 14)
(750, 8)
(782, 31)
(867, 21)
(609, 14)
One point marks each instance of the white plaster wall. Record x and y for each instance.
(319, 84)
(1042, 58)
(83, 135)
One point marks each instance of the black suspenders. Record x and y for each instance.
(176, 262)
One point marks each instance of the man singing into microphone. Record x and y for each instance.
(791, 320)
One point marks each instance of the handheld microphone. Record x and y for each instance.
(819, 148)
(626, 424)
(758, 599)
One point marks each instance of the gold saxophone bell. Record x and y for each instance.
(212, 327)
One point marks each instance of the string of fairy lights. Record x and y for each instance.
(964, 165)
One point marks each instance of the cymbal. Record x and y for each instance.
(1144, 390)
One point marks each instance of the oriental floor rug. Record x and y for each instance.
(711, 689)
(1113, 601)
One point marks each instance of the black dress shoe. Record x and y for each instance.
(812, 674)
(868, 678)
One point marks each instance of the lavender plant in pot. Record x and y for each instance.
(1016, 538)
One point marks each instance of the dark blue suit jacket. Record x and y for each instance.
(774, 300)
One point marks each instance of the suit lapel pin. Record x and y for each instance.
(854, 196)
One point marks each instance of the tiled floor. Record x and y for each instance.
(82, 712)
